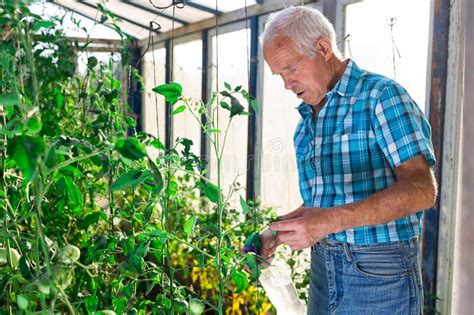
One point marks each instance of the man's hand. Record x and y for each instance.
(270, 242)
(303, 227)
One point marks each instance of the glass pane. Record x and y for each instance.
(102, 57)
(153, 110)
(226, 6)
(390, 37)
(233, 69)
(188, 73)
(279, 176)
(48, 10)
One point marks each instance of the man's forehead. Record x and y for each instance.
(279, 59)
(279, 42)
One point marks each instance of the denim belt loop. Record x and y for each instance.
(413, 244)
(345, 247)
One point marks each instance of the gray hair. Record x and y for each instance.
(303, 25)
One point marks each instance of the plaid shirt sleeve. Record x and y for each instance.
(400, 127)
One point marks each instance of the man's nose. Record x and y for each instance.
(289, 83)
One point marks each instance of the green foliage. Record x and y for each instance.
(25, 151)
(172, 92)
(100, 226)
(132, 179)
(130, 148)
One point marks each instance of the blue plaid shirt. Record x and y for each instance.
(368, 127)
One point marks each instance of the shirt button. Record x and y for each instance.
(315, 161)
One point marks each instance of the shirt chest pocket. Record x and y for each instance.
(348, 153)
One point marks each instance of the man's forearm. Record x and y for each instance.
(405, 197)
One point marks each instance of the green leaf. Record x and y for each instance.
(237, 88)
(224, 105)
(22, 301)
(236, 108)
(74, 194)
(240, 280)
(119, 305)
(91, 303)
(34, 125)
(130, 148)
(157, 178)
(243, 204)
(172, 92)
(25, 150)
(136, 259)
(9, 110)
(178, 110)
(162, 235)
(71, 170)
(59, 100)
(25, 270)
(227, 86)
(90, 219)
(156, 143)
(9, 99)
(254, 105)
(130, 122)
(213, 131)
(132, 179)
(212, 192)
(189, 225)
(252, 264)
(44, 24)
(92, 62)
(225, 94)
(212, 100)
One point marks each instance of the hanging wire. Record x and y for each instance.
(115, 57)
(174, 3)
(157, 115)
(217, 72)
(348, 43)
(152, 28)
(391, 22)
(172, 41)
(179, 4)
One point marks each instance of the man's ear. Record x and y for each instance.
(324, 47)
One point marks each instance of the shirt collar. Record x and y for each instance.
(344, 87)
(348, 81)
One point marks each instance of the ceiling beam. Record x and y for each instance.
(81, 14)
(154, 11)
(121, 17)
(103, 41)
(226, 18)
(203, 8)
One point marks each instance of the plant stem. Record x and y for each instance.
(66, 301)
(190, 245)
(40, 238)
(73, 160)
(167, 228)
(26, 41)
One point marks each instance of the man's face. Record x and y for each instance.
(307, 77)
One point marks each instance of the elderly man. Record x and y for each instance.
(364, 154)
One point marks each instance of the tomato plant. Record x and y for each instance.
(89, 221)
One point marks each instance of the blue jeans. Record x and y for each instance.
(365, 279)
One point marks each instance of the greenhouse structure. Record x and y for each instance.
(194, 157)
